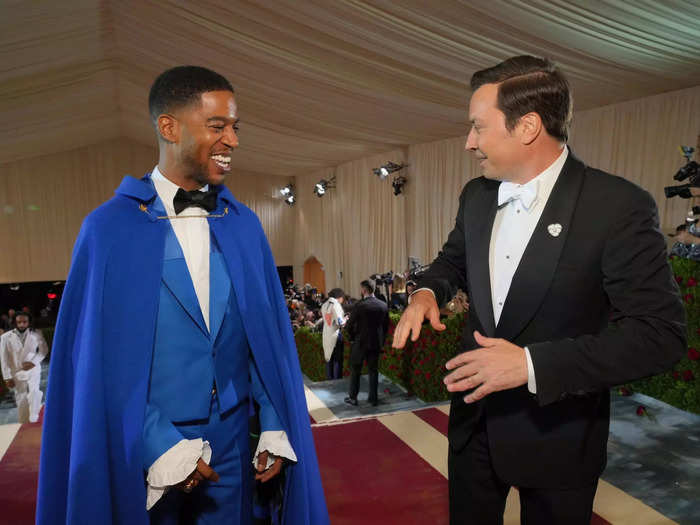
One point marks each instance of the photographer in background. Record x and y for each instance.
(687, 238)
(399, 299)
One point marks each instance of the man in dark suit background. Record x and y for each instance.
(367, 328)
(570, 294)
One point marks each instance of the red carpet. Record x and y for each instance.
(19, 470)
(371, 477)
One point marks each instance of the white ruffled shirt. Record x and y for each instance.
(177, 463)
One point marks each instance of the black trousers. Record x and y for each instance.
(478, 495)
(355, 372)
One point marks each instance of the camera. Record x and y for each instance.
(690, 171)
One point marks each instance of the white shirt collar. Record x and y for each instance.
(542, 184)
(167, 189)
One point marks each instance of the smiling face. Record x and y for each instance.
(201, 138)
(497, 149)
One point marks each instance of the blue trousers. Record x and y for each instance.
(229, 500)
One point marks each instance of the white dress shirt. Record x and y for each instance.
(512, 228)
(193, 235)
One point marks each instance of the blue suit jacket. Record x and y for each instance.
(188, 357)
(91, 468)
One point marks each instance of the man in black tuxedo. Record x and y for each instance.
(570, 294)
(367, 328)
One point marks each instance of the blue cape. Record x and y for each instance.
(91, 468)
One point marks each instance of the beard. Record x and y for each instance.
(193, 167)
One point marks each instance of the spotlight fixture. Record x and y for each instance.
(289, 194)
(324, 185)
(398, 184)
(387, 169)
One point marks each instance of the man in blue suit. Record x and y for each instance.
(173, 327)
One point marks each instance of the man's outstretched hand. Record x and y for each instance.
(266, 475)
(497, 365)
(201, 472)
(423, 306)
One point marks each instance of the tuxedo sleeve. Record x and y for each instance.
(646, 333)
(448, 272)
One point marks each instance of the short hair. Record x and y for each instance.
(527, 83)
(369, 285)
(22, 313)
(181, 86)
(336, 293)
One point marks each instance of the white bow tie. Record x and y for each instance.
(527, 193)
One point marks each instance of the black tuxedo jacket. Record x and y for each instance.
(367, 327)
(596, 305)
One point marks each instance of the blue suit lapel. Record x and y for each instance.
(219, 290)
(176, 277)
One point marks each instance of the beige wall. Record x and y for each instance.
(637, 140)
(359, 227)
(43, 201)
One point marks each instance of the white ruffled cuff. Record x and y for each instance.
(277, 444)
(174, 466)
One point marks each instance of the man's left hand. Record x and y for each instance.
(27, 365)
(266, 475)
(497, 365)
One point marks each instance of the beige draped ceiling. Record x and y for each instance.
(333, 87)
(319, 82)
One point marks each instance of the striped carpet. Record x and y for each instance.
(381, 469)
(393, 469)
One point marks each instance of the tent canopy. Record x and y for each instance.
(318, 82)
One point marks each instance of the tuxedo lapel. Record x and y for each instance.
(541, 257)
(478, 219)
(177, 278)
(219, 290)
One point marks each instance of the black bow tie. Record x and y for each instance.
(204, 199)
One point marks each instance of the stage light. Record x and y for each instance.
(287, 190)
(398, 184)
(387, 169)
(323, 186)
(290, 200)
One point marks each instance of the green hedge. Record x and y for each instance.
(419, 367)
(680, 386)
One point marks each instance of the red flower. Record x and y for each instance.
(417, 372)
(679, 279)
(432, 354)
(676, 374)
(641, 410)
(435, 342)
(691, 282)
(688, 298)
(427, 375)
(688, 375)
(693, 354)
(624, 391)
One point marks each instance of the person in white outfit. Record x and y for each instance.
(333, 322)
(21, 352)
